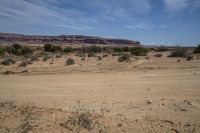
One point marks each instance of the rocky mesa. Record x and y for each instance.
(64, 39)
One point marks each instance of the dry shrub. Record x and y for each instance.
(82, 118)
(124, 58)
(158, 55)
(91, 55)
(8, 62)
(99, 58)
(189, 57)
(70, 61)
(105, 55)
(178, 52)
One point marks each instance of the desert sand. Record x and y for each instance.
(144, 95)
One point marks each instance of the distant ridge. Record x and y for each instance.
(64, 39)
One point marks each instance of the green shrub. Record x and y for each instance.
(124, 58)
(68, 49)
(70, 61)
(125, 49)
(2, 51)
(8, 62)
(52, 48)
(139, 51)
(17, 49)
(117, 49)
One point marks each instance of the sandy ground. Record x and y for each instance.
(144, 95)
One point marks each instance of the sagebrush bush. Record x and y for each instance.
(139, 51)
(8, 62)
(178, 52)
(124, 58)
(23, 64)
(17, 49)
(68, 50)
(52, 48)
(158, 55)
(70, 61)
(91, 55)
(2, 51)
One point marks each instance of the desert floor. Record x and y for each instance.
(145, 95)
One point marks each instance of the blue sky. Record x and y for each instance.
(148, 21)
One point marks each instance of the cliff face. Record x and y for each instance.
(64, 39)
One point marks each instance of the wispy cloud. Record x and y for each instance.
(179, 5)
(42, 13)
(140, 26)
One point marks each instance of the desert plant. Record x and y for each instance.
(139, 51)
(23, 64)
(117, 49)
(91, 55)
(80, 54)
(124, 58)
(52, 48)
(33, 58)
(197, 50)
(178, 52)
(70, 61)
(2, 51)
(99, 58)
(161, 49)
(17, 49)
(189, 57)
(45, 58)
(158, 55)
(81, 117)
(8, 62)
(94, 49)
(58, 56)
(105, 55)
(68, 49)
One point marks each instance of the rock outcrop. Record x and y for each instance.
(64, 39)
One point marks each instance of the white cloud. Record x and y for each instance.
(140, 26)
(179, 5)
(42, 13)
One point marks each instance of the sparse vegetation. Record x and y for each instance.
(70, 61)
(8, 62)
(52, 48)
(68, 50)
(158, 55)
(178, 52)
(17, 49)
(2, 51)
(91, 55)
(197, 50)
(25, 63)
(139, 51)
(161, 49)
(83, 118)
(124, 58)
(189, 57)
